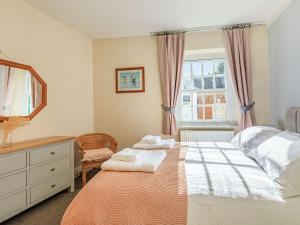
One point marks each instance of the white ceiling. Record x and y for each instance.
(118, 18)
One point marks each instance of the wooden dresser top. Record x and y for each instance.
(19, 146)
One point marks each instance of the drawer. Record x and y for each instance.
(49, 152)
(39, 191)
(12, 162)
(13, 203)
(12, 183)
(47, 170)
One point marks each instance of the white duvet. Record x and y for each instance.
(227, 187)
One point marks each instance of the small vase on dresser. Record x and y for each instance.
(32, 171)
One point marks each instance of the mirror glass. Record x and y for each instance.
(21, 91)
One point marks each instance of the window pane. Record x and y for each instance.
(200, 99)
(208, 67)
(220, 111)
(209, 99)
(208, 113)
(186, 71)
(219, 67)
(197, 83)
(187, 83)
(220, 106)
(197, 68)
(208, 83)
(220, 98)
(187, 113)
(220, 82)
(187, 106)
(200, 115)
(186, 99)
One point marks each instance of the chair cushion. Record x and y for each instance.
(97, 154)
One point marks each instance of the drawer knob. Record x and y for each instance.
(53, 185)
(53, 169)
(52, 153)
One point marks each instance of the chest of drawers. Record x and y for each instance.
(33, 171)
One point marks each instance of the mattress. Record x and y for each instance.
(227, 187)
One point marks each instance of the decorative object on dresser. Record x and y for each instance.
(130, 80)
(95, 149)
(9, 126)
(32, 171)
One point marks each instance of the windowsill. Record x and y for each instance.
(222, 125)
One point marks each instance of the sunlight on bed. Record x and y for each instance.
(220, 169)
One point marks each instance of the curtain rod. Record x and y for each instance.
(204, 29)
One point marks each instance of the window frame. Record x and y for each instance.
(194, 92)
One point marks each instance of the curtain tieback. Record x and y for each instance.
(168, 109)
(246, 108)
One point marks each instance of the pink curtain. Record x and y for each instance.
(171, 54)
(237, 45)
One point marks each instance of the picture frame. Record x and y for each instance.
(130, 80)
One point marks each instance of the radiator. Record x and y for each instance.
(206, 135)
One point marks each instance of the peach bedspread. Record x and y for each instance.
(134, 198)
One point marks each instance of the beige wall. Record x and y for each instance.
(129, 116)
(62, 56)
(260, 75)
(126, 116)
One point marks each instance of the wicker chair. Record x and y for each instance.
(95, 149)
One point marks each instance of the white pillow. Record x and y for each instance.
(251, 137)
(279, 156)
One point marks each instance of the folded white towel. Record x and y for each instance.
(149, 162)
(150, 139)
(127, 155)
(165, 144)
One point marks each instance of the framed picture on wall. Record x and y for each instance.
(130, 80)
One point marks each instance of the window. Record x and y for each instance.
(204, 91)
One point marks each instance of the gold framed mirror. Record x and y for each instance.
(23, 93)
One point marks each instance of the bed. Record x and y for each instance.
(223, 185)
(227, 187)
(207, 183)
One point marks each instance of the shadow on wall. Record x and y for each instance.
(77, 156)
